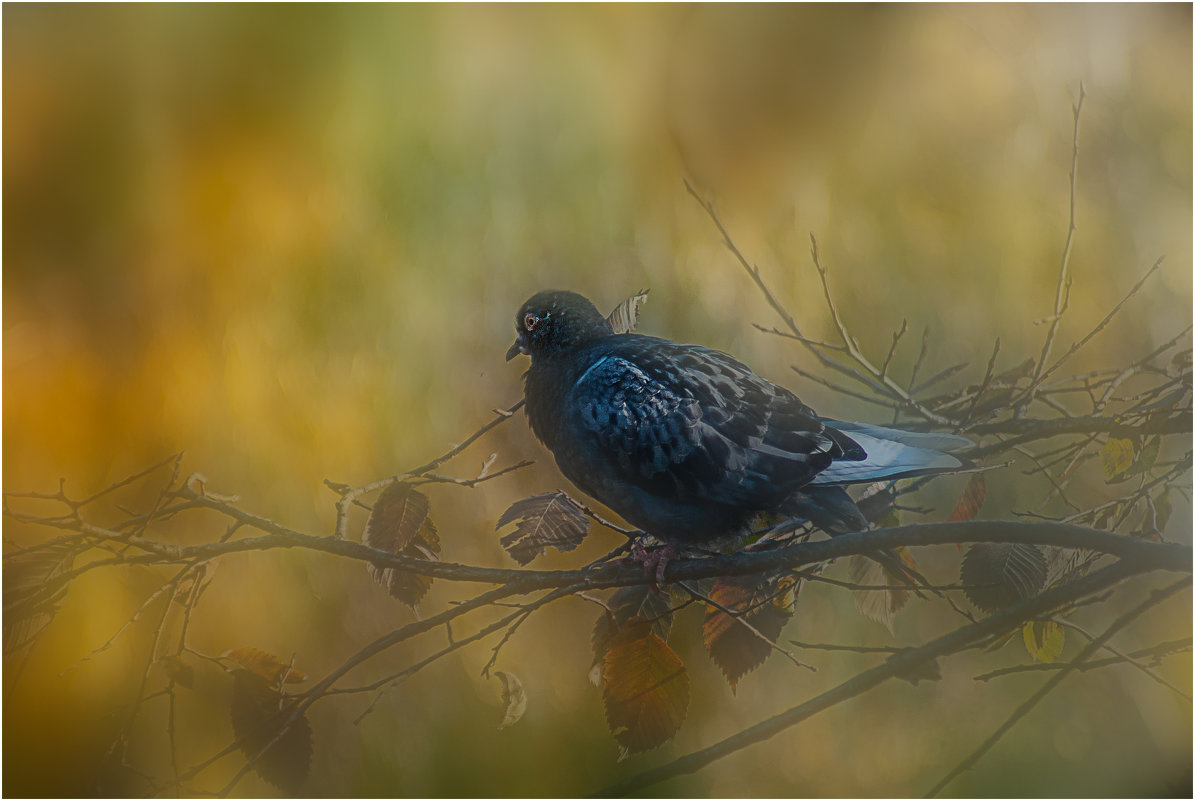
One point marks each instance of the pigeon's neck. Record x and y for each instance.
(548, 382)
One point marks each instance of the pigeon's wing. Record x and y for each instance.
(684, 421)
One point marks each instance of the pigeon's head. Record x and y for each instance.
(553, 322)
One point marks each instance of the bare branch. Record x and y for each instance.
(1044, 374)
(1155, 598)
(852, 347)
(903, 662)
(1156, 653)
(740, 617)
(1060, 292)
(904, 326)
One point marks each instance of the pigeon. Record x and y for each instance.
(687, 443)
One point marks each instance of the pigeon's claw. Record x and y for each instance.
(654, 561)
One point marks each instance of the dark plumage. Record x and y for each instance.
(687, 443)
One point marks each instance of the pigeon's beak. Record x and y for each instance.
(517, 348)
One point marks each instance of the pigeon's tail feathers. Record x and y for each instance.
(887, 459)
(918, 439)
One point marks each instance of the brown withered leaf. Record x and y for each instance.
(926, 671)
(33, 590)
(266, 665)
(399, 523)
(646, 692)
(514, 698)
(999, 574)
(178, 670)
(735, 649)
(624, 604)
(881, 605)
(970, 501)
(550, 518)
(405, 585)
(625, 316)
(259, 712)
(395, 519)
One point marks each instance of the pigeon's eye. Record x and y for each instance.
(529, 321)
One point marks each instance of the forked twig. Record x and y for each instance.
(1155, 598)
(1060, 293)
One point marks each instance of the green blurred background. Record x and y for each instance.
(291, 240)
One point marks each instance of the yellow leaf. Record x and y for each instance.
(1043, 639)
(1116, 456)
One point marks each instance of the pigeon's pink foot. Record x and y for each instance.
(657, 558)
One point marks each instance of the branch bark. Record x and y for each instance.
(904, 662)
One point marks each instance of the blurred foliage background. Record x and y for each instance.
(291, 240)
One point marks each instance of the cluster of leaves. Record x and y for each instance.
(645, 684)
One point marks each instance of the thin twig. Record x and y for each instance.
(806, 340)
(1063, 278)
(1155, 598)
(1156, 652)
(852, 347)
(1033, 385)
(1122, 656)
(904, 326)
(904, 663)
(983, 385)
(741, 618)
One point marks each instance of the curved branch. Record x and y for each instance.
(1088, 651)
(896, 665)
(1160, 555)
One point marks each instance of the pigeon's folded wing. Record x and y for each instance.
(677, 421)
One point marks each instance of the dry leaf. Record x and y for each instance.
(625, 316)
(550, 518)
(646, 692)
(735, 649)
(514, 698)
(31, 592)
(266, 665)
(970, 501)
(399, 524)
(880, 605)
(258, 713)
(624, 604)
(999, 574)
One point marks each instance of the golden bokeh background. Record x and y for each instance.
(290, 240)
